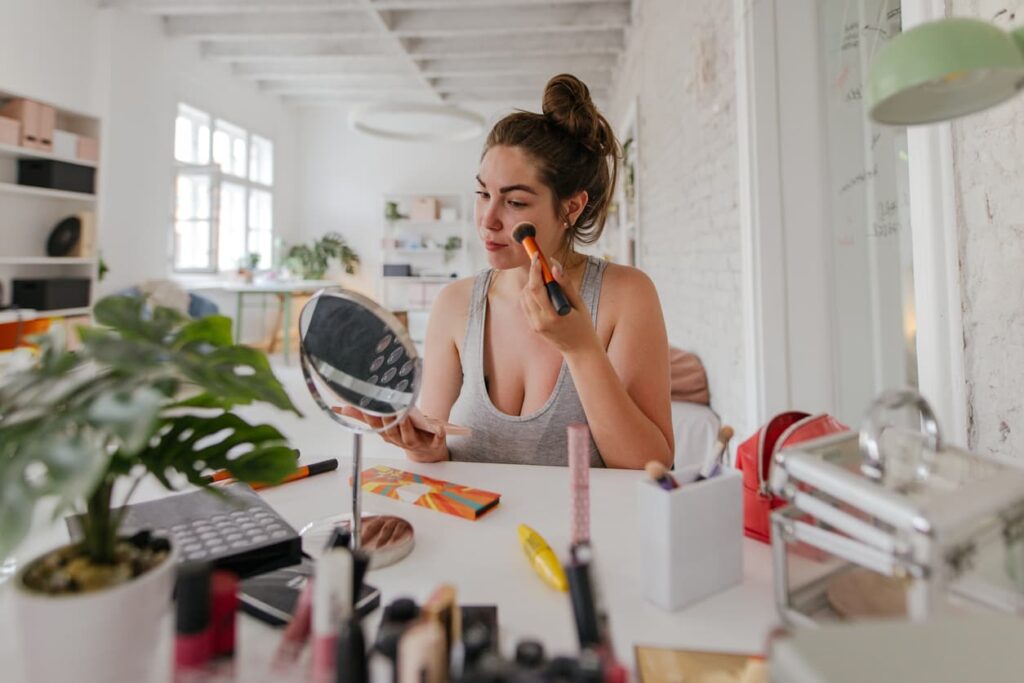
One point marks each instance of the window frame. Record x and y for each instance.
(217, 178)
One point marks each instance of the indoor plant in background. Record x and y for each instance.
(149, 393)
(312, 261)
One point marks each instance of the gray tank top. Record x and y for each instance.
(535, 439)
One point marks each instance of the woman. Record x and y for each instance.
(499, 360)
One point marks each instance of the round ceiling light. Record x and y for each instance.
(417, 122)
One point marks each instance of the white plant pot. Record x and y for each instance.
(106, 636)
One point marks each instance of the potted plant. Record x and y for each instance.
(150, 393)
(247, 266)
(312, 261)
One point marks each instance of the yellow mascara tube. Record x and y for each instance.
(542, 558)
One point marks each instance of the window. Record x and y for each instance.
(224, 194)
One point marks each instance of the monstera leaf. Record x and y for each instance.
(149, 390)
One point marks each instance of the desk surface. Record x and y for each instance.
(269, 287)
(484, 561)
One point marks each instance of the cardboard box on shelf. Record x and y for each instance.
(424, 209)
(88, 149)
(10, 131)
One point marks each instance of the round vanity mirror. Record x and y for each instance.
(359, 361)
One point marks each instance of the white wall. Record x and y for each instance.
(679, 68)
(47, 49)
(345, 175)
(120, 66)
(144, 76)
(987, 150)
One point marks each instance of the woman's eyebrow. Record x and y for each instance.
(510, 188)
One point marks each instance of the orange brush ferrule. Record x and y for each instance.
(525, 233)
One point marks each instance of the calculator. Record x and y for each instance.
(235, 530)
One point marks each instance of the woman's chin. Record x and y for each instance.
(500, 260)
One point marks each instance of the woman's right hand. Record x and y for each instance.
(419, 445)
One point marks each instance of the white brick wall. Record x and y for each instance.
(988, 148)
(680, 70)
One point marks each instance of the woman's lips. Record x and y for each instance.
(494, 246)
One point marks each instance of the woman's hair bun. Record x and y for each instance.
(567, 103)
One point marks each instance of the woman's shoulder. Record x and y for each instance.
(626, 283)
(452, 302)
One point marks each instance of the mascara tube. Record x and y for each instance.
(351, 658)
(581, 594)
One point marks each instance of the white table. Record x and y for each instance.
(284, 289)
(484, 561)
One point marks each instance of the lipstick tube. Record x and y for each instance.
(223, 610)
(193, 641)
(332, 604)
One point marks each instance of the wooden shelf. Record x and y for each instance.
(46, 192)
(46, 261)
(16, 152)
(25, 315)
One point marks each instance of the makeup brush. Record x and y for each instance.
(659, 473)
(525, 234)
(715, 461)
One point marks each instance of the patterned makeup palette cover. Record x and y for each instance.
(443, 496)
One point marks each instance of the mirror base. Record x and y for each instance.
(386, 538)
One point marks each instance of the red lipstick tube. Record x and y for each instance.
(193, 642)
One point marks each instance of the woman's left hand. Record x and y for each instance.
(566, 332)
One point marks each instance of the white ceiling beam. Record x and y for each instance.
(508, 48)
(299, 50)
(177, 7)
(207, 7)
(535, 82)
(606, 41)
(292, 25)
(522, 64)
(532, 96)
(346, 83)
(325, 67)
(433, 68)
(356, 94)
(404, 23)
(550, 19)
(351, 93)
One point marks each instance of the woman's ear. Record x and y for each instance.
(573, 207)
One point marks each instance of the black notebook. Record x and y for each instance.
(271, 597)
(237, 531)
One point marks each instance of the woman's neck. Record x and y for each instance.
(509, 283)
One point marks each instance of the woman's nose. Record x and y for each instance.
(489, 217)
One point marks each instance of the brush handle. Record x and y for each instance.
(557, 297)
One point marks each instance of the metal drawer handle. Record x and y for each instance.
(875, 423)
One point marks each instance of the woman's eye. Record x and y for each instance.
(516, 205)
(482, 195)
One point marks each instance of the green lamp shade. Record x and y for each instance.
(944, 69)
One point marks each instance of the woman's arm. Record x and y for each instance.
(442, 367)
(625, 390)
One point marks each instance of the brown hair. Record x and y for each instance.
(574, 148)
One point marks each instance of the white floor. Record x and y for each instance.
(315, 434)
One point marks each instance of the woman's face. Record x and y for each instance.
(508, 193)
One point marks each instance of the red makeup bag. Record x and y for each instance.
(755, 456)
